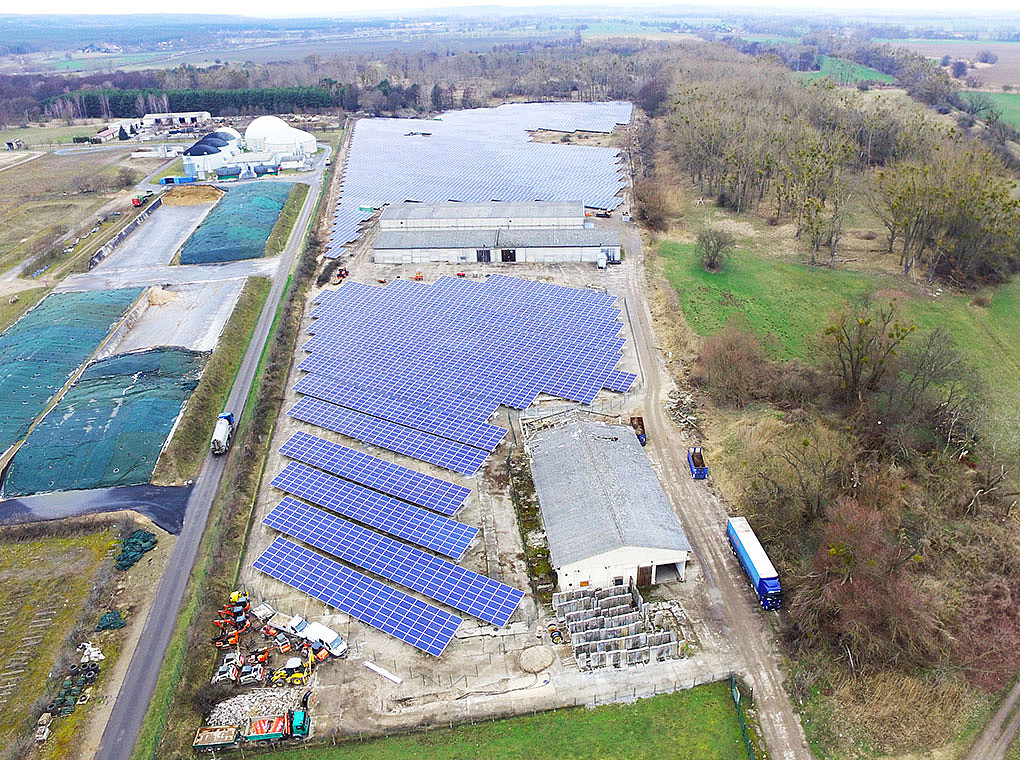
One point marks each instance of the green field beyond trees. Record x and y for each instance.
(697, 724)
(842, 71)
(788, 305)
(1009, 104)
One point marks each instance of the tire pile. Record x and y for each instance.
(80, 677)
(134, 547)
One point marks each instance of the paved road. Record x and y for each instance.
(704, 520)
(997, 737)
(136, 692)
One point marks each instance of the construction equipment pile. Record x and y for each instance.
(134, 547)
(256, 702)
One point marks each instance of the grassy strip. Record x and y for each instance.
(699, 724)
(277, 240)
(183, 680)
(176, 169)
(12, 312)
(183, 456)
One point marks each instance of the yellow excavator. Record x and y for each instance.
(294, 672)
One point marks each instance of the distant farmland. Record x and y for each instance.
(1005, 71)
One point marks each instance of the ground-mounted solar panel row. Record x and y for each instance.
(405, 521)
(452, 455)
(422, 625)
(431, 420)
(436, 578)
(403, 483)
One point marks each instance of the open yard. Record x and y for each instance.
(53, 133)
(43, 199)
(44, 583)
(698, 724)
(788, 304)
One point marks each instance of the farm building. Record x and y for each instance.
(177, 119)
(607, 519)
(271, 133)
(487, 232)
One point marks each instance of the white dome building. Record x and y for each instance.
(271, 133)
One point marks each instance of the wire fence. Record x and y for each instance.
(741, 719)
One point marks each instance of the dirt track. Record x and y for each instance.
(994, 741)
(704, 520)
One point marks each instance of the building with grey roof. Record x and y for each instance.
(418, 233)
(606, 517)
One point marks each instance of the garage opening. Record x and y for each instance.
(508, 254)
(484, 255)
(667, 573)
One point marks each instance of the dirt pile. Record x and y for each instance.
(191, 195)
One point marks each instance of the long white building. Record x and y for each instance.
(606, 517)
(411, 233)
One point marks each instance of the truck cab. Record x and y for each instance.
(223, 434)
(327, 637)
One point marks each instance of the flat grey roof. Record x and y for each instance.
(597, 492)
(502, 238)
(493, 210)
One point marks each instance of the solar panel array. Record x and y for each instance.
(422, 625)
(482, 154)
(419, 571)
(377, 474)
(406, 521)
(419, 369)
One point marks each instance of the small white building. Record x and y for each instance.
(271, 133)
(606, 517)
(418, 233)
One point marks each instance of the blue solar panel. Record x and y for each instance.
(619, 381)
(380, 475)
(419, 571)
(414, 524)
(478, 154)
(449, 454)
(431, 420)
(422, 625)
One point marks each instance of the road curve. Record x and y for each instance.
(704, 520)
(136, 691)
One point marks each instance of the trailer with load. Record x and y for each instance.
(696, 461)
(265, 729)
(638, 423)
(755, 562)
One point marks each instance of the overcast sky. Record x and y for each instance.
(296, 8)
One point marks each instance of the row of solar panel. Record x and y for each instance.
(398, 518)
(436, 578)
(392, 479)
(422, 625)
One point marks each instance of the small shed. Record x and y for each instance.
(606, 517)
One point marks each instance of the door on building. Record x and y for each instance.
(484, 255)
(644, 576)
(508, 254)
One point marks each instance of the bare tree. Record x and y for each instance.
(714, 246)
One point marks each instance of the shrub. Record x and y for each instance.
(731, 367)
(653, 208)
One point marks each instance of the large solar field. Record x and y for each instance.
(481, 154)
(419, 370)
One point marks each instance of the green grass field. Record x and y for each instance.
(842, 71)
(1009, 104)
(175, 169)
(57, 134)
(788, 305)
(698, 724)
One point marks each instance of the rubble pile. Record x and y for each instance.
(236, 710)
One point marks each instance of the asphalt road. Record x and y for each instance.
(140, 681)
(703, 517)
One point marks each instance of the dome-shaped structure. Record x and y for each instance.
(201, 149)
(274, 134)
(215, 142)
(227, 133)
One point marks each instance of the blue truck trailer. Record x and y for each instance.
(756, 563)
(696, 461)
